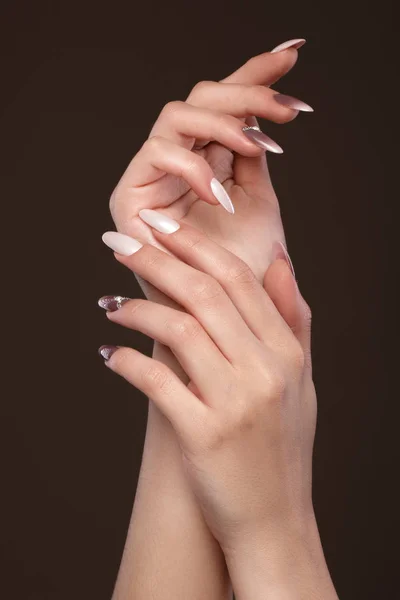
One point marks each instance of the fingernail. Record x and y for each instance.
(112, 303)
(222, 195)
(107, 351)
(298, 43)
(158, 220)
(291, 102)
(121, 243)
(260, 139)
(281, 252)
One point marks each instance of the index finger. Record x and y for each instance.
(264, 69)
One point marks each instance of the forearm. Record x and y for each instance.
(280, 565)
(169, 551)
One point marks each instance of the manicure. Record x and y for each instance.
(222, 195)
(281, 252)
(158, 220)
(291, 102)
(120, 243)
(106, 352)
(261, 140)
(112, 303)
(298, 43)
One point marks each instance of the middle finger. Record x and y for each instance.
(199, 293)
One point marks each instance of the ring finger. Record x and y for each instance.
(182, 333)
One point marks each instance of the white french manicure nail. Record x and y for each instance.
(298, 43)
(222, 195)
(121, 243)
(158, 220)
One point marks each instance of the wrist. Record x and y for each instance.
(280, 562)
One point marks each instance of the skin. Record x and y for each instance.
(246, 421)
(172, 172)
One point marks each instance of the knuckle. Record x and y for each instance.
(240, 273)
(200, 87)
(273, 387)
(217, 436)
(184, 328)
(157, 377)
(152, 256)
(296, 355)
(170, 109)
(205, 288)
(153, 144)
(193, 165)
(247, 414)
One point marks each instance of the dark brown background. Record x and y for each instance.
(81, 87)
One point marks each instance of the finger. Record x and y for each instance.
(232, 273)
(264, 69)
(181, 407)
(199, 293)
(186, 124)
(241, 100)
(182, 333)
(158, 157)
(282, 288)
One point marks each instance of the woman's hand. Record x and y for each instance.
(246, 421)
(197, 145)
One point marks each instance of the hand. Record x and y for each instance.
(246, 421)
(195, 141)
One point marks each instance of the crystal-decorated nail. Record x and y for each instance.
(297, 43)
(158, 220)
(291, 102)
(121, 243)
(222, 195)
(261, 140)
(107, 351)
(112, 303)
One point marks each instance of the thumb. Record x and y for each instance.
(281, 286)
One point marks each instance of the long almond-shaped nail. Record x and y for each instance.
(261, 140)
(281, 252)
(291, 102)
(112, 303)
(158, 220)
(222, 195)
(107, 351)
(298, 43)
(121, 243)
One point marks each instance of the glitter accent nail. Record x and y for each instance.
(112, 303)
(106, 352)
